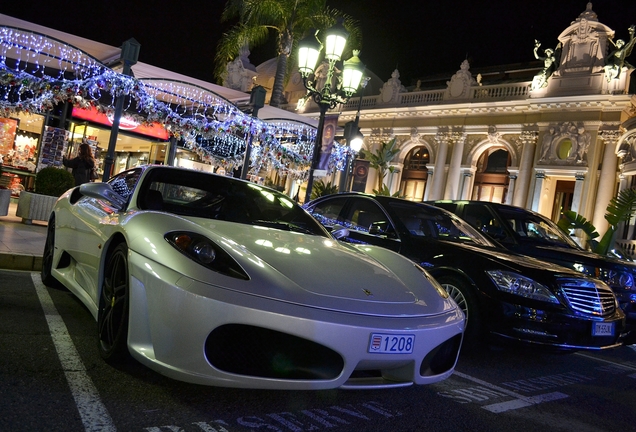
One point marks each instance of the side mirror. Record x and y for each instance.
(105, 192)
(340, 233)
(382, 228)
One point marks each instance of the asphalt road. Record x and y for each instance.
(52, 379)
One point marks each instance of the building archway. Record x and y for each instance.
(491, 175)
(415, 173)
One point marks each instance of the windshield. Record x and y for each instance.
(431, 222)
(531, 227)
(197, 194)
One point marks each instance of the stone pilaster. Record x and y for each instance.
(520, 193)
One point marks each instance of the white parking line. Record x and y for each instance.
(520, 401)
(94, 415)
(620, 365)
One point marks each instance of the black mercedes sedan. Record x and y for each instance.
(505, 296)
(529, 233)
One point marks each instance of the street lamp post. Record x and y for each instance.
(354, 138)
(330, 95)
(257, 101)
(129, 56)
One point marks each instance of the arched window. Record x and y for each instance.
(491, 178)
(415, 174)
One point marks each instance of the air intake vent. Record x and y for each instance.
(589, 297)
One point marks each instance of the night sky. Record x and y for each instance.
(418, 37)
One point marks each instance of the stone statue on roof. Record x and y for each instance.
(392, 88)
(616, 60)
(550, 60)
(240, 73)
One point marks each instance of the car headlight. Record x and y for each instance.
(205, 252)
(514, 283)
(616, 279)
(440, 290)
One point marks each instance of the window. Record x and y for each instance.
(328, 212)
(363, 213)
(415, 174)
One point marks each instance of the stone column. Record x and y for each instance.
(529, 142)
(538, 190)
(623, 181)
(511, 189)
(437, 191)
(291, 186)
(607, 180)
(578, 191)
(393, 178)
(466, 189)
(454, 175)
(429, 183)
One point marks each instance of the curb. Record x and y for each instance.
(20, 262)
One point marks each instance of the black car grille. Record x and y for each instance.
(259, 352)
(589, 297)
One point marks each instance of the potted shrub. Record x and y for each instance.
(50, 184)
(5, 199)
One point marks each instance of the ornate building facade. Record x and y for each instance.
(561, 136)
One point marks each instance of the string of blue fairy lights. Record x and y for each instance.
(37, 72)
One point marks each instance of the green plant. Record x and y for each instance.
(53, 181)
(321, 188)
(385, 191)
(620, 209)
(381, 158)
(288, 21)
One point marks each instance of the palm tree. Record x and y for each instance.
(380, 160)
(321, 188)
(289, 20)
(620, 209)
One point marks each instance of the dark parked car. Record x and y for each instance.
(530, 233)
(504, 295)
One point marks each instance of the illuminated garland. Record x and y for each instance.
(187, 111)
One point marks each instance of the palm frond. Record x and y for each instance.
(287, 20)
(320, 188)
(572, 220)
(621, 208)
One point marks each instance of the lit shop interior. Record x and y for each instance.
(22, 135)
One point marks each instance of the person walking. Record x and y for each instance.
(82, 165)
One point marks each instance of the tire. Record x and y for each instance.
(112, 315)
(461, 292)
(46, 273)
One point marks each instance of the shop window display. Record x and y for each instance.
(18, 152)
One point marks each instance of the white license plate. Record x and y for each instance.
(603, 329)
(391, 343)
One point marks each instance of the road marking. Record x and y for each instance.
(94, 414)
(620, 365)
(520, 401)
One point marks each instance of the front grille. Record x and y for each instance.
(248, 350)
(588, 296)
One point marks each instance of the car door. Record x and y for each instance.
(368, 223)
(481, 217)
(364, 220)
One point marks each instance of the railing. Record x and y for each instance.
(421, 98)
(433, 97)
(509, 91)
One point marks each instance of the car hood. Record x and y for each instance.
(320, 272)
(574, 256)
(505, 259)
